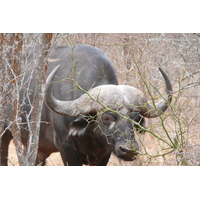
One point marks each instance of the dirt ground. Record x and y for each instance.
(55, 159)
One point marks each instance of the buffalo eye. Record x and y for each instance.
(108, 118)
(135, 116)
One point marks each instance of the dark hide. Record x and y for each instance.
(89, 139)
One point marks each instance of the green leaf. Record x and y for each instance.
(176, 143)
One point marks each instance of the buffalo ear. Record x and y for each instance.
(77, 127)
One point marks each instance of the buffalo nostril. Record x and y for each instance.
(126, 154)
(123, 149)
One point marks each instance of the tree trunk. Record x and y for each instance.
(13, 56)
(14, 46)
(40, 72)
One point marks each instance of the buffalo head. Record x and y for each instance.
(113, 112)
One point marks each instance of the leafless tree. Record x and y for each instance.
(13, 71)
(172, 139)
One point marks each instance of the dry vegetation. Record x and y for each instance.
(173, 138)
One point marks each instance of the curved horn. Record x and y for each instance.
(86, 103)
(70, 108)
(98, 98)
(154, 110)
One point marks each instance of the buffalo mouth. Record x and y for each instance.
(126, 154)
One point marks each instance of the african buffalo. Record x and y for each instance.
(87, 127)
